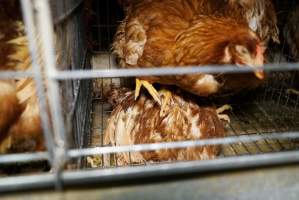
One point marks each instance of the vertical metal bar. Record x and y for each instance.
(45, 26)
(37, 69)
(102, 115)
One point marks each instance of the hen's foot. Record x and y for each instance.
(167, 96)
(220, 110)
(150, 88)
(292, 91)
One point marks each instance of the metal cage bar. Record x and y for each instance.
(112, 73)
(70, 178)
(45, 25)
(28, 19)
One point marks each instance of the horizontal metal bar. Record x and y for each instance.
(23, 157)
(16, 74)
(69, 178)
(74, 153)
(112, 73)
(180, 144)
(160, 71)
(183, 167)
(19, 183)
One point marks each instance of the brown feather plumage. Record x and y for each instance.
(151, 36)
(20, 126)
(259, 14)
(140, 122)
(26, 132)
(9, 29)
(10, 107)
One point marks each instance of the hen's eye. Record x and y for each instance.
(241, 49)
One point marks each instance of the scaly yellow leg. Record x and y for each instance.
(150, 88)
(137, 88)
(165, 100)
(221, 110)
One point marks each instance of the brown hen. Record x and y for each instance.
(140, 122)
(20, 127)
(151, 36)
(10, 107)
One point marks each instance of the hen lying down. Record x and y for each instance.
(141, 122)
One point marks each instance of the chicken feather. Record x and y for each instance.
(151, 36)
(138, 122)
(20, 126)
(259, 14)
(10, 107)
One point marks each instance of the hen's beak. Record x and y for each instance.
(259, 74)
(259, 62)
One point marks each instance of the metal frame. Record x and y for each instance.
(71, 178)
(112, 73)
(58, 154)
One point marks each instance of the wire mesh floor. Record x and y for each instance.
(248, 117)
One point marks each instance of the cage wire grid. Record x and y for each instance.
(248, 140)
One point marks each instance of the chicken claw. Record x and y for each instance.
(292, 91)
(221, 110)
(150, 88)
(167, 96)
(94, 161)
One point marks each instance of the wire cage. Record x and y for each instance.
(264, 123)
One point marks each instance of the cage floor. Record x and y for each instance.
(248, 117)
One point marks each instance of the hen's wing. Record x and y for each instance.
(10, 107)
